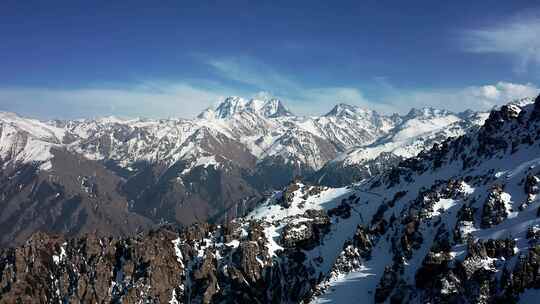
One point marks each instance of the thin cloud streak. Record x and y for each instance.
(142, 100)
(478, 98)
(301, 99)
(516, 38)
(186, 101)
(164, 99)
(308, 100)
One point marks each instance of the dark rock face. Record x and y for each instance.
(532, 185)
(248, 253)
(343, 210)
(79, 196)
(475, 279)
(245, 271)
(51, 269)
(434, 264)
(532, 188)
(362, 241)
(205, 283)
(494, 211)
(205, 193)
(300, 234)
(288, 194)
(387, 284)
(159, 267)
(354, 252)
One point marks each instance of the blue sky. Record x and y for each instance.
(66, 59)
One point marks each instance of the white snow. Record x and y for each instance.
(325, 200)
(272, 235)
(409, 138)
(178, 252)
(61, 256)
(36, 128)
(203, 161)
(27, 141)
(233, 244)
(173, 299)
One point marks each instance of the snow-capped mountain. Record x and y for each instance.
(268, 107)
(264, 126)
(458, 223)
(418, 130)
(27, 140)
(214, 167)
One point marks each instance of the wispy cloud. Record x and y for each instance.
(252, 72)
(516, 37)
(321, 100)
(149, 99)
(162, 99)
(245, 77)
(300, 98)
(308, 100)
(483, 97)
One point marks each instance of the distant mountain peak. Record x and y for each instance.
(265, 106)
(230, 106)
(344, 110)
(274, 108)
(426, 112)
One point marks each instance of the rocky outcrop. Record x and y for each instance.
(494, 210)
(306, 234)
(287, 195)
(52, 269)
(386, 285)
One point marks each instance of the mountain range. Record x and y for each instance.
(459, 222)
(115, 176)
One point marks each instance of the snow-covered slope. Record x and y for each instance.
(419, 130)
(27, 140)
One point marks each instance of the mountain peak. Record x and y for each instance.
(426, 112)
(344, 110)
(230, 106)
(273, 108)
(267, 107)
